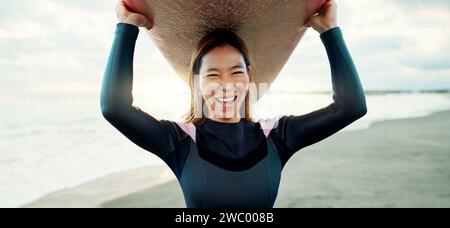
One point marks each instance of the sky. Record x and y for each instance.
(60, 47)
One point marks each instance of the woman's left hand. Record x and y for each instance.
(325, 19)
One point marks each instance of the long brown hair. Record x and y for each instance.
(213, 39)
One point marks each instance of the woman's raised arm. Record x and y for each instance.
(157, 136)
(297, 132)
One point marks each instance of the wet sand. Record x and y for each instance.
(396, 163)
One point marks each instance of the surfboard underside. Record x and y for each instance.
(271, 28)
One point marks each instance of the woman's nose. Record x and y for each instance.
(225, 88)
(227, 85)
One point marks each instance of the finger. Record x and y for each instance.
(145, 22)
(125, 6)
(311, 21)
(149, 25)
(324, 9)
(325, 6)
(148, 22)
(308, 23)
(122, 6)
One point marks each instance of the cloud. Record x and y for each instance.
(423, 3)
(67, 43)
(395, 45)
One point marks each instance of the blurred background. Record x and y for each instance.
(55, 143)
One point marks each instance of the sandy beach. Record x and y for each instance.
(94, 193)
(395, 163)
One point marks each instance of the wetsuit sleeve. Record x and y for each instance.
(157, 136)
(297, 132)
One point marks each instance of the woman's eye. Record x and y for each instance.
(212, 75)
(239, 72)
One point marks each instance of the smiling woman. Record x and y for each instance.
(219, 158)
(221, 73)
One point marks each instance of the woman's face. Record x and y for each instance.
(224, 82)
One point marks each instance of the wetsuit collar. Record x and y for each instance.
(214, 122)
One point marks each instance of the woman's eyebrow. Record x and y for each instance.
(232, 68)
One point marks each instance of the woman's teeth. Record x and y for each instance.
(226, 100)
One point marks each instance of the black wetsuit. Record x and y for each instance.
(229, 164)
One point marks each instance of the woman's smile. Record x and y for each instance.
(226, 102)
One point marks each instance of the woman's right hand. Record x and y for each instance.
(326, 18)
(125, 15)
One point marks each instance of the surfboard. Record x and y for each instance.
(271, 28)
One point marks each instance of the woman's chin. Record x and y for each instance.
(226, 114)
